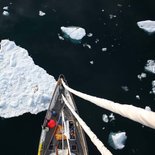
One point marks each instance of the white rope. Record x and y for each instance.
(137, 114)
(100, 146)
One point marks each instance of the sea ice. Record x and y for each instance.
(104, 49)
(5, 8)
(105, 118)
(5, 13)
(150, 66)
(141, 76)
(24, 86)
(73, 32)
(147, 25)
(117, 140)
(41, 13)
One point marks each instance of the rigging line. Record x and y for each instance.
(63, 120)
(100, 146)
(137, 114)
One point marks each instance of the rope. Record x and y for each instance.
(100, 146)
(137, 114)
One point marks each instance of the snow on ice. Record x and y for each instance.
(117, 140)
(24, 86)
(147, 25)
(73, 32)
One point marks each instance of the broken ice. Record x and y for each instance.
(147, 25)
(117, 140)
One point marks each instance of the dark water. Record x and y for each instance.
(128, 49)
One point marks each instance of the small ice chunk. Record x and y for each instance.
(87, 45)
(5, 13)
(112, 16)
(141, 76)
(74, 32)
(117, 140)
(5, 8)
(111, 117)
(89, 34)
(138, 97)
(147, 108)
(125, 88)
(104, 49)
(92, 62)
(105, 118)
(119, 5)
(150, 66)
(60, 37)
(41, 13)
(147, 25)
(97, 40)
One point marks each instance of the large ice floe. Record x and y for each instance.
(24, 86)
(117, 140)
(73, 32)
(147, 25)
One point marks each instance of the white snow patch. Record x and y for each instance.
(24, 86)
(74, 32)
(147, 25)
(5, 13)
(150, 66)
(117, 140)
(41, 13)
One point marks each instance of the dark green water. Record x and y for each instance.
(128, 49)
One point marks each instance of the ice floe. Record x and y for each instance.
(73, 32)
(150, 66)
(24, 86)
(147, 25)
(117, 140)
